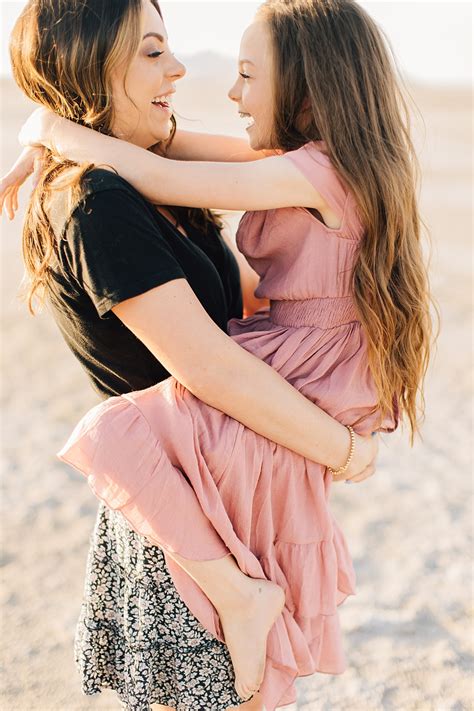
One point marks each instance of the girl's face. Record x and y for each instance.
(142, 88)
(253, 90)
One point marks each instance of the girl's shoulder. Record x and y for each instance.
(313, 160)
(314, 163)
(314, 151)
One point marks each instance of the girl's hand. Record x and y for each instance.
(362, 465)
(29, 162)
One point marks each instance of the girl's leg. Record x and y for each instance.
(247, 607)
(255, 704)
(247, 610)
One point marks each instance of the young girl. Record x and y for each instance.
(332, 229)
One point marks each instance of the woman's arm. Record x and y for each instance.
(255, 185)
(190, 145)
(222, 374)
(234, 380)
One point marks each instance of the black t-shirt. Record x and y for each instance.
(114, 245)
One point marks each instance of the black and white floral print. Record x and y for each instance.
(135, 635)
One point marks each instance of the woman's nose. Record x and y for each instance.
(177, 70)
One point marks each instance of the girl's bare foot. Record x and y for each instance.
(247, 609)
(246, 629)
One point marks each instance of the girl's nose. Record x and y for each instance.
(234, 93)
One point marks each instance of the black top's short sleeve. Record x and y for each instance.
(114, 249)
(113, 245)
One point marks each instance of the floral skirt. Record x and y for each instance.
(136, 636)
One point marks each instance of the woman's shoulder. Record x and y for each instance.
(103, 191)
(101, 179)
(76, 205)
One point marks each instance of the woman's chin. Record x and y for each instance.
(160, 136)
(159, 133)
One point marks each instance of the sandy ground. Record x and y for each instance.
(408, 631)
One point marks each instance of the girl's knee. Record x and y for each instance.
(255, 704)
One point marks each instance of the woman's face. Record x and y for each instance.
(142, 88)
(253, 90)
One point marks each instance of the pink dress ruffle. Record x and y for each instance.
(200, 484)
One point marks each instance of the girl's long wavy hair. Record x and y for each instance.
(63, 53)
(335, 80)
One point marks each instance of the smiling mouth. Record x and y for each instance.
(163, 101)
(250, 120)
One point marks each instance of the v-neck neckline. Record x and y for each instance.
(175, 227)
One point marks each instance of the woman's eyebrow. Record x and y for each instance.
(246, 61)
(154, 34)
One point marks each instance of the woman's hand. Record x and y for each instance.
(363, 460)
(28, 163)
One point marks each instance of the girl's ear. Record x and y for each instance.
(305, 116)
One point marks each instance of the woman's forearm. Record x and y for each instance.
(224, 375)
(253, 393)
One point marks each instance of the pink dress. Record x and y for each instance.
(242, 493)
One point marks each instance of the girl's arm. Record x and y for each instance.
(28, 163)
(188, 145)
(224, 375)
(255, 185)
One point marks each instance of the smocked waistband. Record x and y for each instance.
(321, 313)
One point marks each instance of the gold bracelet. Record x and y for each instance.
(341, 470)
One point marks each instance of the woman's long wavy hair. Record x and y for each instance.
(335, 80)
(63, 53)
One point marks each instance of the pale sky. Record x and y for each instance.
(432, 40)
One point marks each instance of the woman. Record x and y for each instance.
(98, 249)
